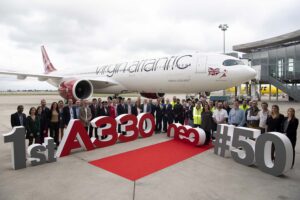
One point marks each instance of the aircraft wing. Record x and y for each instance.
(22, 76)
(98, 83)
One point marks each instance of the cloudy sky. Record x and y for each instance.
(80, 34)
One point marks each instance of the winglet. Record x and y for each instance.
(48, 66)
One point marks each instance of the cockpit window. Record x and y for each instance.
(231, 62)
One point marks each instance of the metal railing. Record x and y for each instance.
(291, 89)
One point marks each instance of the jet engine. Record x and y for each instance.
(75, 89)
(152, 95)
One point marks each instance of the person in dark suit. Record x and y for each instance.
(206, 122)
(135, 109)
(274, 124)
(178, 112)
(95, 113)
(275, 120)
(18, 118)
(44, 123)
(61, 119)
(121, 109)
(167, 115)
(69, 112)
(129, 107)
(290, 126)
(159, 115)
(33, 127)
(189, 113)
(104, 111)
(152, 108)
(46, 114)
(145, 107)
(76, 108)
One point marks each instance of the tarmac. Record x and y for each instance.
(204, 176)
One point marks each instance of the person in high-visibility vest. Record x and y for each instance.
(174, 102)
(197, 115)
(211, 106)
(244, 106)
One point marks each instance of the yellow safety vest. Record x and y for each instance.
(242, 107)
(197, 116)
(212, 109)
(173, 104)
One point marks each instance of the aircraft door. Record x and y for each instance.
(201, 64)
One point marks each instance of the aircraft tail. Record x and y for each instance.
(48, 66)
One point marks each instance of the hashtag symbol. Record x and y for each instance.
(222, 145)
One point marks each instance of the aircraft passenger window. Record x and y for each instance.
(231, 62)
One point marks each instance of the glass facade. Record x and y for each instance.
(282, 63)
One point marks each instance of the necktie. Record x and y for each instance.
(21, 120)
(85, 113)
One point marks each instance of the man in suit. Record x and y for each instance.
(103, 111)
(129, 106)
(69, 112)
(167, 114)
(18, 118)
(46, 114)
(45, 109)
(189, 113)
(145, 107)
(76, 108)
(94, 111)
(85, 114)
(134, 109)
(159, 115)
(152, 108)
(121, 109)
(178, 112)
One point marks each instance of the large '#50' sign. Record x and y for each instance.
(247, 146)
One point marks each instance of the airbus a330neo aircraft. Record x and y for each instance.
(152, 78)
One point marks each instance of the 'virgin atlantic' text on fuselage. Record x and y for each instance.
(147, 65)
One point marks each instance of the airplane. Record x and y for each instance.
(152, 78)
(264, 90)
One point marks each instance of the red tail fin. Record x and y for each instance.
(48, 67)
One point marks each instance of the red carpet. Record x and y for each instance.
(141, 162)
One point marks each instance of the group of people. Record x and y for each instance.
(194, 112)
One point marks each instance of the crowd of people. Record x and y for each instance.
(194, 112)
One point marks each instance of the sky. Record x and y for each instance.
(79, 34)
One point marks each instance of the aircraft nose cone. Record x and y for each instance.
(252, 73)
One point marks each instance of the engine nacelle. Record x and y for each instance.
(75, 89)
(152, 95)
(207, 94)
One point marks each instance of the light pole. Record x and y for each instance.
(223, 27)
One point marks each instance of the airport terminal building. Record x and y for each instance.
(277, 61)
